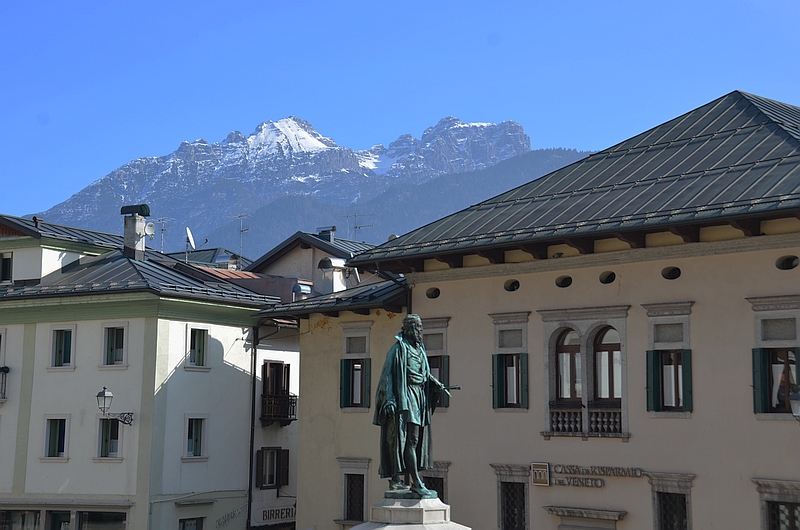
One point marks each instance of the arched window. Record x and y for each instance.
(607, 365)
(568, 366)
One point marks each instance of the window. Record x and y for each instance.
(669, 360)
(586, 372)
(510, 362)
(512, 496)
(607, 365)
(354, 388)
(277, 403)
(783, 515)
(5, 267)
(195, 523)
(194, 437)
(56, 438)
(434, 338)
(354, 490)
(436, 479)
(62, 347)
(775, 357)
(20, 519)
(109, 438)
(672, 501)
(198, 343)
(114, 353)
(355, 368)
(3, 367)
(101, 520)
(272, 467)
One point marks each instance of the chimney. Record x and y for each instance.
(134, 230)
(326, 233)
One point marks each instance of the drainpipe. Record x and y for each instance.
(253, 360)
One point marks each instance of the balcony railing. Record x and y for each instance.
(278, 407)
(3, 386)
(566, 417)
(604, 419)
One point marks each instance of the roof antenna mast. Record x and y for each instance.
(242, 230)
(163, 221)
(356, 226)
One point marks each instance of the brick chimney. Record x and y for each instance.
(134, 230)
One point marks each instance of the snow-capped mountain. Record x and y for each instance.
(203, 184)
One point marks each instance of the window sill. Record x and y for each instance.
(780, 416)
(193, 368)
(671, 414)
(54, 459)
(510, 410)
(355, 409)
(110, 367)
(193, 459)
(61, 368)
(625, 436)
(107, 459)
(345, 522)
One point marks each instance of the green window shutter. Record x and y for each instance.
(498, 386)
(523, 380)
(52, 443)
(110, 345)
(344, 383)
(67, 359)
(260, 467)
(106, 435)
(686, 366)
(653, 380)
(797, 367)
(444, 373)
(366, 381)
(283, 467)
(760, 381)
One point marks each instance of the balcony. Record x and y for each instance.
(278, 407)
(602, 419)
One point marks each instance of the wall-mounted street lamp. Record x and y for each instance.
(794, 402)
(104, 398)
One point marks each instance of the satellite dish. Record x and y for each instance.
(150, 230)
(190, 238)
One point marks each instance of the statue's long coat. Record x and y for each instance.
(392, 389)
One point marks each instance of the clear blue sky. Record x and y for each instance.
(88, 86)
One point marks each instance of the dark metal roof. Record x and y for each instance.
(736, 157)
(210, 256)
(112, 272)
(65, 233)
(338, 248)
(388, 295)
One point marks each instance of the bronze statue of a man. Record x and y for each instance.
(406, 396)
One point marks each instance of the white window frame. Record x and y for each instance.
(512, 321)
(678, 483)
(353, 466)
(182, 522)
(356, 329)
(587, 322)
(73, 328)
(9, 255)
(773, 308)
(120, 435)
(122, 365)
(188, 365)
(46, 438)
(669, 313)
(203, 456)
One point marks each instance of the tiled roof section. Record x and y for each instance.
(338, 248)
(65, 233)
(738, 156)
(387, 294)
(114, 273)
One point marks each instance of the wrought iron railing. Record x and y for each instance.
(278, 407)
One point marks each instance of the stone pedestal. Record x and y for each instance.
(410, 514)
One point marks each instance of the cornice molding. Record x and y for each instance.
(668, 309)
(584, 313)
(585, 513)
(517, 317)
(775, 303)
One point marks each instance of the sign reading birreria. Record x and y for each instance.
(578, 476)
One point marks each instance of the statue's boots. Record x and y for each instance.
(420, 489)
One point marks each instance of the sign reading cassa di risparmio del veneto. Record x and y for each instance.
(543, 474)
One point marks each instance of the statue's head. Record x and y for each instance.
(412, 328)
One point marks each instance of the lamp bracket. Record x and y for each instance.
(123, 417)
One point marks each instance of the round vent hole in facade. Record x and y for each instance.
(433, 292)
(786, 263)
(608, 277)
(564, 281)
(511, 285)
(671, 273)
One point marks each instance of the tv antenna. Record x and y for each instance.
(163, 221)
(189, 243)
(242, 230)
(356, 226)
